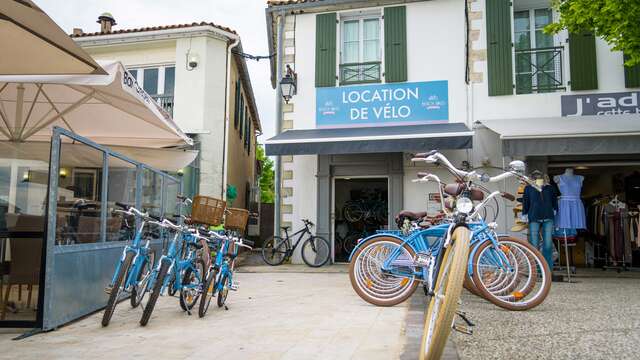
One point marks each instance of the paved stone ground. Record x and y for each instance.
(595, 318)
(272, 316)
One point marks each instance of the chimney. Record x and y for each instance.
(106, 21)
(77, 31)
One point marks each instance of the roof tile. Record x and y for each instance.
(155, 28)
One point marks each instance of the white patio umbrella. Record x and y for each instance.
(109, 109)
(32, 43)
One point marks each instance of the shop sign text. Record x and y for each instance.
(601, 104)
(387, 104)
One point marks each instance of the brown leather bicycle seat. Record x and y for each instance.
(453, 189)
(411, 215)
(477, 195)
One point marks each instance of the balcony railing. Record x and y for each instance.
(359, 73)
(166, 101)
(539, 70)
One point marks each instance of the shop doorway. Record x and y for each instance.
(610, 193)
(360, 207)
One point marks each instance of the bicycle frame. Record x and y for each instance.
(177, 266)
(302, 232)
(140, 253)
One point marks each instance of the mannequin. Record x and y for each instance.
(571, 214)
(540, 207)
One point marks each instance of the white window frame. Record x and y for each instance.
(532, 29)
(161, 75)
(376, 12)
(361, 19)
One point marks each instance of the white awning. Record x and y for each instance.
(601, 134)
(32, 43)
(109, 109)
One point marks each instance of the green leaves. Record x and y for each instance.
(615, 21)
(266, 176)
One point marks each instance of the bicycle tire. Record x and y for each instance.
(116, 289)
(136, 295)
(439, 317)
(390, 298)
(318, 246)
(352, 212)
(153, 298)
(274, 245)
(207, 292)
(519, 305)
(222, 294)
(185, 303)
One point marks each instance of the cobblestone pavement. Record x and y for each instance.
(595, 318)
(272, 316)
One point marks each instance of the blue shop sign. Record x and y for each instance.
(387, 104)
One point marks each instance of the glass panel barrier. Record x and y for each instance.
(121, 188)
(24, 172)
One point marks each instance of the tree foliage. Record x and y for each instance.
(616, 21)
(266, 177)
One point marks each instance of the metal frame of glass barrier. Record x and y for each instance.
(73, 277)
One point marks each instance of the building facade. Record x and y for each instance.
(378, 81)
(194, 72)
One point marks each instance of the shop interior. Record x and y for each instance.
(610, 193)
(360, 208)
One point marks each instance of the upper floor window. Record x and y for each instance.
(159, 82)
(360, 49)
(538, 61)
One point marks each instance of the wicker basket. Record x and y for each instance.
(207, 210)
(236, 219)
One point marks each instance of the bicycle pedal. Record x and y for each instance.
(462, 329)
(463, 316)
(234, 287)
(108, 290)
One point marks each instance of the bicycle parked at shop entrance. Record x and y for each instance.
(315, 249)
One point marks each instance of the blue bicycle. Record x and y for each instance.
(133, 270)
(183, 274)
(220, 276)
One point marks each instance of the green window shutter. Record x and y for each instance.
(631, 75)
(395, 44)
(499, 47)
(236, 110)
(582, 62)
(241, 116)
(326, 50)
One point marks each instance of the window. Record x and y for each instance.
(242, 114)
(360, 49)
(538, 62)
(156, 80)
(236, 110)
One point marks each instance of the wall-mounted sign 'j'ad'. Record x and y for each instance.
(387, 104)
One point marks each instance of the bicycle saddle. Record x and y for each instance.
(411, 215)
(285, 228)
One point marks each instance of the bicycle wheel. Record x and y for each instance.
(141, 287)
(350, 241)
(155, 293)
(378, 287)
(315, 251)
(528, 284)
(224, 292)
(191, 286)
(116, 289)
(207, 292)
(274, 251)
(443, 305)
(352, 212)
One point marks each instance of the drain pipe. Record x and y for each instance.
(227, 105)
(278, 163)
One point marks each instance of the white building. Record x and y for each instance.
(378, 81)
(194, 71)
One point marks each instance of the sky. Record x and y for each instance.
(244, 16)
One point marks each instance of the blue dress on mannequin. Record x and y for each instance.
(570, 214)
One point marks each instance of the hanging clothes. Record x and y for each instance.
(570, 214)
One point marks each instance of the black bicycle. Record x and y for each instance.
(315, 249)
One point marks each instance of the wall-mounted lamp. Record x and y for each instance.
(180, 172)
(26, 176)
(63, 173)
(289, 84)
(192, 61)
